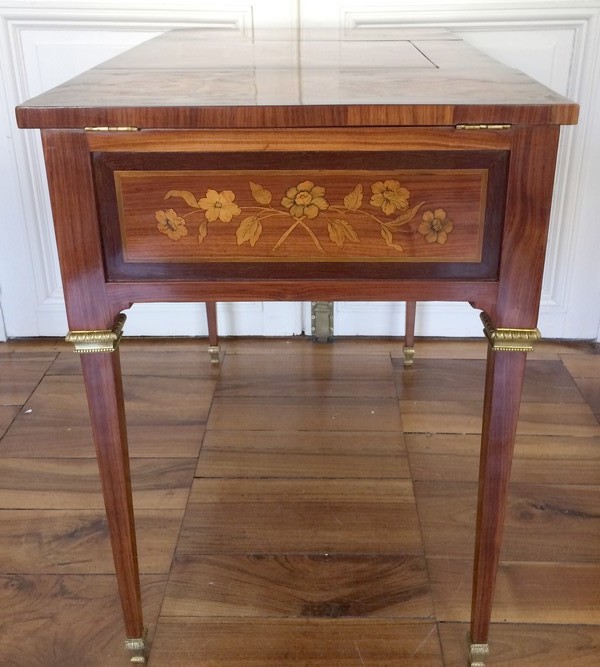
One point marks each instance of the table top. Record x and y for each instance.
(184, 80)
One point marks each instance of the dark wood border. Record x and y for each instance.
(117, 269)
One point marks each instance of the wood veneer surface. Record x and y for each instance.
(182, 80)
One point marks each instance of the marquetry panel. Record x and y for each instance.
(420, 210)
(367, 215)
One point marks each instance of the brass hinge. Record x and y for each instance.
(125, 128)
(484, 126)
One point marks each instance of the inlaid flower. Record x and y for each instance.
(305, 200)
(219, 205)
(171, 224)
(436, 226)
(389, 196)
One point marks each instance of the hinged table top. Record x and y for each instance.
(183, 80)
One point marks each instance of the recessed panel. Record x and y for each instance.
(419, 214)
(316, 216)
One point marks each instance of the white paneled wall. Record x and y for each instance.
(558, 43)
(44, 43)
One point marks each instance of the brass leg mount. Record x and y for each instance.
(102, 340)
(138, 647)
(509, 340)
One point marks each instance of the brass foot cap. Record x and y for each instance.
(214, 352)
(139, 648)
(478, 654)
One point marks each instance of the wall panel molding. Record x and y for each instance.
(559, 44)
(42, 45)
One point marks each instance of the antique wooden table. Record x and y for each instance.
(197, 170)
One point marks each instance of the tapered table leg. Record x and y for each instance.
(102, 377)
(504, 382)
(409, 333)
(213, 333)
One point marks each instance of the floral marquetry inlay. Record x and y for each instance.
(305, 202)
(432, 215)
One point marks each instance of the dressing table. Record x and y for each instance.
(410, 169)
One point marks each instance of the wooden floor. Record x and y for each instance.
(306, 505)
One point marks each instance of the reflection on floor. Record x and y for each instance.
(307, 505)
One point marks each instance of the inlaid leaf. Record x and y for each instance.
(202, 231)
(407, 216)
(249, 230)
(260, 195)
(340, 231)
(186, 195)
(386, 234)
(354, 199)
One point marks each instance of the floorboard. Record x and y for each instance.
(311, 454)
(526, 645)
(308, 642)
(303, 505)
